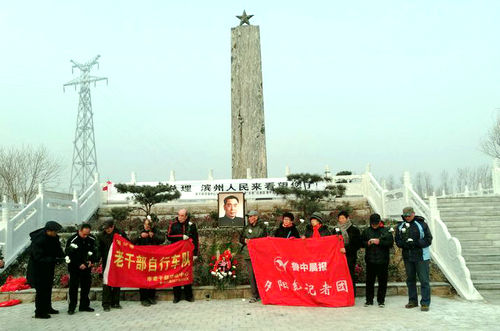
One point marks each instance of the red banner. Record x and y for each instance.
(158, 266)
(302, 272)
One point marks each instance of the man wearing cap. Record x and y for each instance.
(254, 229)
(82, 254)
(414, 237)
(183, 229)
(377, 241)
(230, 210)
(110, 295)
(45, 250)
(316, 228)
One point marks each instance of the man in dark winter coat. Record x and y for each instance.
(352, 243)
(377, 241)
(414, 237)
(148, 234)
(82, 254)
(110, 295)
(183, 229)
(287, 229)
(254, 229)
(316, 228)
(44, 251)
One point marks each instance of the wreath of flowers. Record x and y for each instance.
(223, 269)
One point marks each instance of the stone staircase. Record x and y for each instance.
(475, 221)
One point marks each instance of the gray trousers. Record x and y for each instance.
(251, 277)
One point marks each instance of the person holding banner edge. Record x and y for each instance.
(183, 229)
(254, 229)
(110, 295)
(148, 235)
(316, 228)
(287, 229)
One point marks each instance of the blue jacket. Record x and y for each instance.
(418, 230)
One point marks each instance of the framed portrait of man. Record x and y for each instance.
(231, 209)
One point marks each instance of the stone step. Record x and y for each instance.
(493, 284)
(479, 224)
(468, 218)
(486, 275)
(477, 235)
(451, 208)
(469, 258)
(473, 250)
(462, 200)
(479, 243)
(483, 266)
(477, 212)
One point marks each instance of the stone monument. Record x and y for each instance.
(247, 102)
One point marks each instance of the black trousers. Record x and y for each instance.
(251, 277)
(379, 271)
(351, 263)
(110, 296)
(82, 279)
(43, 299)
(147, 293)
(188, 292)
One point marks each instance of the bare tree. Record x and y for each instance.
(491, 144)
(23, 169)
(446, 182)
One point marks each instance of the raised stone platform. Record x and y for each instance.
(209, 292)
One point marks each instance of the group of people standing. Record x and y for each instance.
(412, 235)
(84, 251)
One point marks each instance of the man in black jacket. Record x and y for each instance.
(352, 243)
(183, 229)
(81, 252)
(110, 295)
(414, 237)
(44, 251)
(377, 242)
(148, 235)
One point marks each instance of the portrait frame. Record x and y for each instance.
(240, 196)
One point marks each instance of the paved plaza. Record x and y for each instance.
(236, 314)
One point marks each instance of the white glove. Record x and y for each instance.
(67, 259)
(185, 237)
(194, 258)
(75, 246)
(90, 253)
(409, 239)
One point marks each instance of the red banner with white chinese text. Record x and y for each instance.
(157, 266)
(302, 272)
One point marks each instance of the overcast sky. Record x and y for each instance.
(403, 85)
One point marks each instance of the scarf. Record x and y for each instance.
(316, 231)
(343, 229)
(287, 226)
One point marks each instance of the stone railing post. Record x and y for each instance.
(434, 215)
(8, 228)
(211, 174)
(287, 171)
(172, 176)
(407, 186)
(249, 173)
(496, 176)
(466, 191)
(76, 210)
(328, 174)
(132, 178)
(41, 211)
